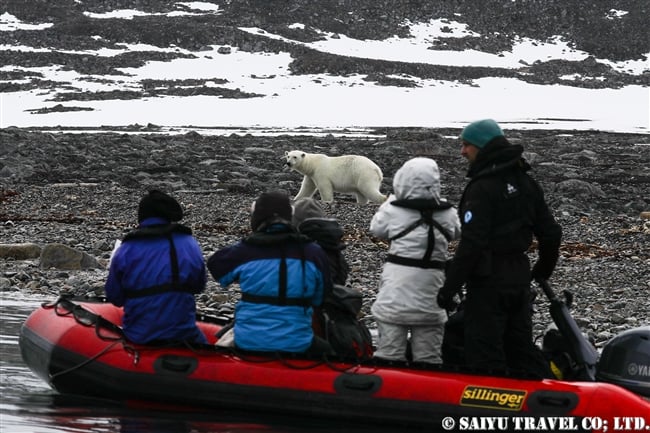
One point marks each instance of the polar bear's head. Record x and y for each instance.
(294, 158)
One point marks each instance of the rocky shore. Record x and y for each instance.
(77, 193)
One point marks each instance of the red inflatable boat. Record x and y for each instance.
(77, 348)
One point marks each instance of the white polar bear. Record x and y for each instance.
(352, 174)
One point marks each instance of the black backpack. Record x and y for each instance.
(348, 336)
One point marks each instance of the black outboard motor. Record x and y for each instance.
(581, 350)
(625, 361)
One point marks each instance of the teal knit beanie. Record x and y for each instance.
(481, 132)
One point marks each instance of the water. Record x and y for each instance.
(29, 405)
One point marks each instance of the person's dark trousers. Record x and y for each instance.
(498, 331)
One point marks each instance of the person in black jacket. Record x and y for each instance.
(336, 320)
(310, 220)
(501, 209)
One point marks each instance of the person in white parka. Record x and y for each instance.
(419, 225)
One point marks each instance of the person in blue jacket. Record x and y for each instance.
(155, 273)
(282, 276)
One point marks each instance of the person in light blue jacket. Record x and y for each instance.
(282, 276)
(155, 273)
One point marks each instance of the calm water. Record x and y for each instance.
(28, 404)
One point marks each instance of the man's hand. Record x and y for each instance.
(446, 301)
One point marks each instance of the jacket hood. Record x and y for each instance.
(497, 155)
(305, 208)
(417, 178)
(326, 232)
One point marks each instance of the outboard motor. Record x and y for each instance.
(625, 361)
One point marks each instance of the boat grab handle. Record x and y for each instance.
(555, 402)
(175, 364)
(355, 383)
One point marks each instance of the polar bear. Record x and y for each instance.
(352, 174)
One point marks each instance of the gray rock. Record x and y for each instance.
(61, 256)
(20, 251)
(5, 284)
(576, 187)
(584, 155)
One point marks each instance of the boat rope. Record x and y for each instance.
(53, 376)
(350, 366)
(287, 364)
(264, 357)
(350, 369)
(64, 306)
